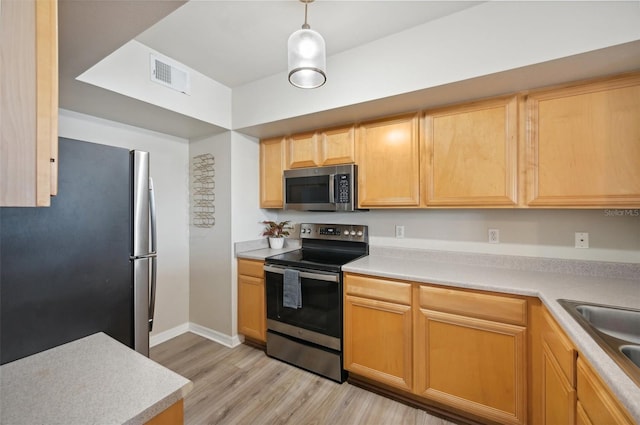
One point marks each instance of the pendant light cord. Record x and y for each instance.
(305, 26)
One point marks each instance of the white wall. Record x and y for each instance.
(169, 162)
(614, 235)
(492, 37)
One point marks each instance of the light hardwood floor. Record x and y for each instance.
(243, 386)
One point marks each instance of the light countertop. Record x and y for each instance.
(93, 380)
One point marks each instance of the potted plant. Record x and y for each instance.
(276, 232)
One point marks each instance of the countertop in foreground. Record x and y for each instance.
(548, 279)
(93, 380)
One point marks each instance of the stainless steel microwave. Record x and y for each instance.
(321, 189)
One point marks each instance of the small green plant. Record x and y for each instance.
(276, 230)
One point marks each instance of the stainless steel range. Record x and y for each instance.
(304, 297)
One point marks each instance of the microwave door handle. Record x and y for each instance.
(332, 188)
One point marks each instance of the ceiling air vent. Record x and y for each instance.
(169, 75)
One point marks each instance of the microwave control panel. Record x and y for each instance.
(343, 193)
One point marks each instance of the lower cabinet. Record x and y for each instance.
(378, 329)
(596, 405)
(558, 375)
(252, 314)
(470, 352)
(456, 348)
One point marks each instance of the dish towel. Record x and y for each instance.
(292, 291)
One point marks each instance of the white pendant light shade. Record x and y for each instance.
(306, 51)
(307, 67)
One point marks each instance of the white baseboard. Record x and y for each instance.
(220, 338)
(168, 334)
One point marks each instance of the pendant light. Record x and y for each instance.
(307, 64)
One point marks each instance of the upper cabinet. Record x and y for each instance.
(328, 147)
(338, 146)
(271, 168)
(471, 154)
(388, 158)
(29, 101)
(583, 145)
(303, 151)
(573, 146)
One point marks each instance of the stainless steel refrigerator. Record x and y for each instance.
(85, 264)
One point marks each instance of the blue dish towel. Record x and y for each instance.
(291, 291)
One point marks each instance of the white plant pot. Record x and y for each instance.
(276, 243)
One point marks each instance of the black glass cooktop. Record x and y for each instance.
(315, 259)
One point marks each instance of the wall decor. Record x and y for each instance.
(203, 196)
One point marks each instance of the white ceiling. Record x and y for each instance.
(232, 42)
(236, 42)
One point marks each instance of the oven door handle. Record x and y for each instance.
(306, 275)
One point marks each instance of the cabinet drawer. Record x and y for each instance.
(562, 349)
(473, 304)
(251, 267)
(379, 289)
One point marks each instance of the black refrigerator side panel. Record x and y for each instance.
(64, 270)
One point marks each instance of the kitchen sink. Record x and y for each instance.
(615, 329)
(616, 322)
(632, 352)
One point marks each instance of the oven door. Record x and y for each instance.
(319, 320)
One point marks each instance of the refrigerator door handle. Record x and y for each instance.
(154, 250)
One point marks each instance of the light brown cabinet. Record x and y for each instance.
(303, 150)
(378, 330)
(470, 352)
(252, 314)
(29, 101)
(583, 145)
(328, 147)
(596, 405)
(338, 146)
(558, 374)
(271, 168)
(471, 154)
(388, 158)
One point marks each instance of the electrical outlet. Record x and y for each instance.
(399, 231)
(494, 236)
(582, 240)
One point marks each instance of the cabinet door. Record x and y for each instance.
(29, 101)
(558, 374)
(377, 341)
(474, 365)
(472, 154)
(596, 401)
(303, 151)
(271, 167)
(583, 145)
(558, 395)
(338, 146)
(387, 154)
(251, 308)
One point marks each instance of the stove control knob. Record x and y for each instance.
(359, 233)
(346, 233)
(353, 233)
(303, 231)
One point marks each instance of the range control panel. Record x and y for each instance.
(337, 232)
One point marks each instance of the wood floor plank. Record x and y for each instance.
(241, 385)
